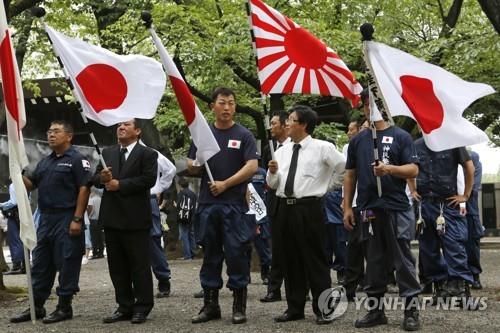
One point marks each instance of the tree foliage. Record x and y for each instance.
(210, 41)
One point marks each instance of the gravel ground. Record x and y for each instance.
(173, 314)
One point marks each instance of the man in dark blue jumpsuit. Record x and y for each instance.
(261, 240)
(437, 189)
(62, 180)
(9, 210)
(225, 232)
(336, 234)
(474, 225)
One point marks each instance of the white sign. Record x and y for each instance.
(256, 205)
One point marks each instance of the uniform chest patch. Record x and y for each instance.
(387, 139)
(235, 144)
(86, 164)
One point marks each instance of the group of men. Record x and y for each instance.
(381, 221)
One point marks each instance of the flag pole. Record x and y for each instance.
(40, 13)
(367, 32)
(12, 90)
(148, 23)
(30, 286)
(262, 95)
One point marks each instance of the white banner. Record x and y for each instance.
(256, 204)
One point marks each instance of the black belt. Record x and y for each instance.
(56, 210)
(301, 201)
(153, 196)
(434, 199)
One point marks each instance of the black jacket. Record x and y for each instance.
(129, 208)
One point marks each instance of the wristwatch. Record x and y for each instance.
(77, 219)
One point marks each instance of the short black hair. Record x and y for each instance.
(224, 91)
(282, 115)
(138, 123)
(306, 115)
(66, 125)
(183, 182)
(357, 121)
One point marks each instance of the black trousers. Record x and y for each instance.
(389, 246)
(356, 254)
(276, 273)
(304, 244)
(130, 269)
(96, 237)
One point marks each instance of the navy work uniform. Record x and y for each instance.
(336, 234)
(225, 231)
(58, 179)
(159, 263)
(475, 228)
(436, 181)
(9, 210)
(261, 240)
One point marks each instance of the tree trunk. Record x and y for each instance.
(492, 10)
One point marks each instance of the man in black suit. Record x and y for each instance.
(126, 217)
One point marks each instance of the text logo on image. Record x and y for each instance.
(332, 303)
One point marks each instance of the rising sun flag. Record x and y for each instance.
(292, 60)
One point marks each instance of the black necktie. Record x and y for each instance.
(123, 151)
(290, 179)
(279, 146)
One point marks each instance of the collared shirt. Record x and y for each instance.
(285, 142)
(12, 202)
(316, 163)
(59, 178)
(166, 173)
(129, 148)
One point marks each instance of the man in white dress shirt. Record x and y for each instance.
(301, 174)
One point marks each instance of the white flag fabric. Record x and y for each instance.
(111, 88)
(16, 120)
(432, 96)
(256, 205)
(201, 134)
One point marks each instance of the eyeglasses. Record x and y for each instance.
(55, 131)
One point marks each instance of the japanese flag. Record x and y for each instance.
(201, 134)
(432, 96)
(111, 88)
(16, 120)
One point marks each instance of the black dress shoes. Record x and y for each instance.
(288, 317)
(322, 321)
(58, 315)
(372, 318)
(272, 296)
(138, 318)
(117, 316)
(26, 315)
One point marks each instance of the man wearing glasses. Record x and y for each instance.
(301, 174)
(62, 181)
